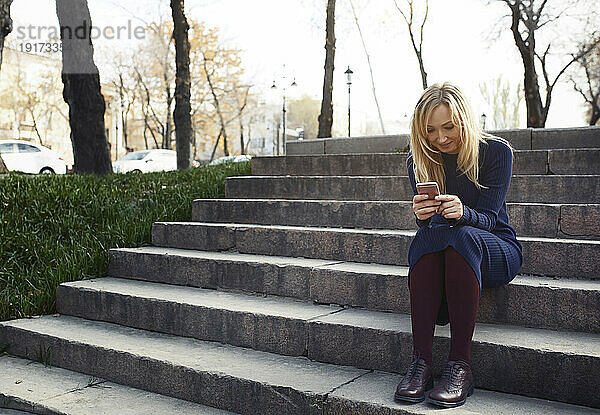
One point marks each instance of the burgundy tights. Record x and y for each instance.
(429, 277)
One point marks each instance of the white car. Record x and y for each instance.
(231, 159)
(28, 157)
(145, 161)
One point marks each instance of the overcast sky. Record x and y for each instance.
(463, 43)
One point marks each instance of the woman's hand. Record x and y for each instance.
(451, 207)
(424, 207)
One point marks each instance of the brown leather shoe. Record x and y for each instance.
(456, 383)
(415, 383)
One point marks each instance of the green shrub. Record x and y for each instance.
(58, 228)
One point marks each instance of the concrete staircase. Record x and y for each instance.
(290, 297)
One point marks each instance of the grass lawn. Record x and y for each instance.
(58, 228)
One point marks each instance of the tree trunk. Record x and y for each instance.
(241, 119)
(422, 69)
(533, 99)
(326, 115)
(243, 150)
(5, 23)
(166, 143)
(595, 117)
(183, 108)
(249, 135)
(82, 89)
(5, 29)
(225, 145)
(123, 112)
(212, 155)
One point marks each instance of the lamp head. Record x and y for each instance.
(349, 75)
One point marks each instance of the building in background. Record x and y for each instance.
(32, 107)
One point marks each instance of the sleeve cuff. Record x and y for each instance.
(422, 222)
(466, 217)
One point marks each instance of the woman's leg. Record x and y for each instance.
(462, 294)
(426, 287)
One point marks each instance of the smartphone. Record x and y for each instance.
(428, 188)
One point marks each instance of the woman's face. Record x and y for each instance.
(441, 131)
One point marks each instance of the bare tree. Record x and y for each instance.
(144, 79)
(153, 72)
(303, 113)
(326, 115)
(156, 73)
(127, 96)
(25, 98)
(527, 17)
(504, 101)
(5, 29)
(589, 87)
(242, 102)
(409, 19)
(370, 66)
(217, 104)
(182, 114)
(147, 110)
(82, 89)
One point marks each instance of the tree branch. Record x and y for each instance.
(583, 52)
(423, 24)
(542, 60)
(402, 13)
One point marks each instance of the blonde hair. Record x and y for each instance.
(427, 160)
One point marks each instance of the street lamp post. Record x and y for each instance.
(283, 111)
(349, 82)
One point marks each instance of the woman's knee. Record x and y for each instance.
(456, 265)
(432, 257)
(429, 266)
(451, 252)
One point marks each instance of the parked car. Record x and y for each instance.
(145, 161)
(231, 159)
(28, 157)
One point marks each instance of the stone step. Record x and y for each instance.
(528, 219)
(520, 139)
(558, 304)
(532, 189)
(248, 381)
(34, 387)
(543, 256)
(565, 161)
(228, 377)
(272, 324)
(369, 394)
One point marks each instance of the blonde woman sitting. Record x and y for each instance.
(464, 242)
